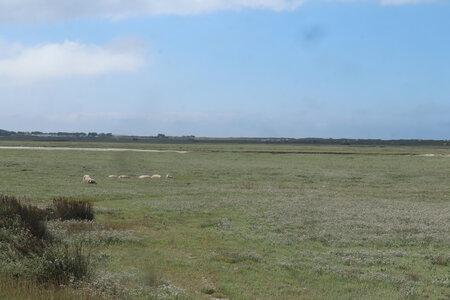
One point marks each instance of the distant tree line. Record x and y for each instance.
(53, 134)
(162, 138)
(362, 142)
(6, 132)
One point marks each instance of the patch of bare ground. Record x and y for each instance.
(434, 155)
(212, 151)
(88, 149)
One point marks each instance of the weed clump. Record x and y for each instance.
(63, 265)
(440, 260)
(69, 209)
(15, 214)
(28, 250)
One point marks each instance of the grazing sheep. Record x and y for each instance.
(88, 179)
(124, 176)
(169, 176)
(156, 176)
(144, 176)
(112, 176)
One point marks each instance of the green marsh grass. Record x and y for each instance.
(244, 224)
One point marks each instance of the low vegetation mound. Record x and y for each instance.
(28, 217)
(28, 250)
(70, 209)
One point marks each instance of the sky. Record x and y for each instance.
(227, 68)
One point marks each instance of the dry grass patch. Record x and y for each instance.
(72, 209)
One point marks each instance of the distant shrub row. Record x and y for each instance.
(62, 208)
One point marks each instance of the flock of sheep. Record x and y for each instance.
(89, 180)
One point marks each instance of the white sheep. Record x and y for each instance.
(88, 179)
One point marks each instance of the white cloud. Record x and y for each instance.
(31, 11)
(53, 60)
(36, 11)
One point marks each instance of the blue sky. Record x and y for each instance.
(278, 68)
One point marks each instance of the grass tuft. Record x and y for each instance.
(28, 250)
(13, 213)
(441, 260)
(69, 209)
(63, 265)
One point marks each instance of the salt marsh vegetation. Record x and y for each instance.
(238, 224)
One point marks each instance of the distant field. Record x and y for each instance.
(244, 147)
(252, 221)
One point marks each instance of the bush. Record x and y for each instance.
(61, 264)
(27, 249)
(68, 209)
(13, 214)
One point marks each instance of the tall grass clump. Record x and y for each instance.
(14, 214)
(28, 250)
(63, 265)
(21, 288)
(69, 209)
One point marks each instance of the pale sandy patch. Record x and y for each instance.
(89, 149)
(434, 155)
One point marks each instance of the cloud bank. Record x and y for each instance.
(380, 125)
(36, 11)
(67, 59)
(53, 10)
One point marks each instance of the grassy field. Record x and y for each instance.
(247, 222)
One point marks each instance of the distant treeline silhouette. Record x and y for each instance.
(52, 134)
(162, 138)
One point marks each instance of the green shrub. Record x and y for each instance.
(61, 264)
(28, 251)
(68, 209)
(15, 214)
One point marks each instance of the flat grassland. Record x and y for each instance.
(251, 221)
